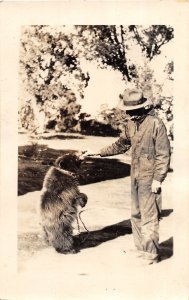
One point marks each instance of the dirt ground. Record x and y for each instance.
(105, 267)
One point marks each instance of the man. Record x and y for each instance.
(146, 134)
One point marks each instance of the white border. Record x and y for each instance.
(15, 14)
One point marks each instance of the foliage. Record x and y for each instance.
(106, 44)
(109, 44)
(53, 79)
(94, 127)
(169, 69)
(151, 39)
(115, 117)
(50, 71)
(26, 116)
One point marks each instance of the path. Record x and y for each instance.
(108, 269)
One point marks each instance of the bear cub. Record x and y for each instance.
(59, 203)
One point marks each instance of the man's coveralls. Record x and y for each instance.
(150, 160)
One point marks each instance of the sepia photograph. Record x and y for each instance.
(95, 114)
(95, 162)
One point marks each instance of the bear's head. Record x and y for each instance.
(69, 162)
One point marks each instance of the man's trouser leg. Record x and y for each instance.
(149, 209)
(135, 215)
(144, 218)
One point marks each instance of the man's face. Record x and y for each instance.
(135, 114)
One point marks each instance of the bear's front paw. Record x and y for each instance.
(83, 199)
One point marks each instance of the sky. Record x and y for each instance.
(104, 88)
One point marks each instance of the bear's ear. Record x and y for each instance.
(57, 162)
(69, 162)
(60, 164)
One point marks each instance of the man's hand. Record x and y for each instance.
(90, 153)
(156, 186)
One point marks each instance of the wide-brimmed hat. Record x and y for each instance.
(133, 99)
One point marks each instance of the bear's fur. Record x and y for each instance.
(59, 203)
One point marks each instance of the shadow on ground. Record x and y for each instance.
(33, 242)
(166, 249)
(100, 169)
(62, 137)
(166, 212)
(95, 238)
(30, 243)
(33, 163)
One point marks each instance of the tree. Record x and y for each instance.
(115, 117)
(151, 39)
(110, 44)
(115, 46)
(105, 44)
(51, 75)
(52, 79)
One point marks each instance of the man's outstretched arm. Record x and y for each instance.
(119, 147)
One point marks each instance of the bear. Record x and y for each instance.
(59, 203)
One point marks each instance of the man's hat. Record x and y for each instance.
(133, 99)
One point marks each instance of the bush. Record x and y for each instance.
(93, 127)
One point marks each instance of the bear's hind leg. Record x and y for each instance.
(63, 243)
(62, 239)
